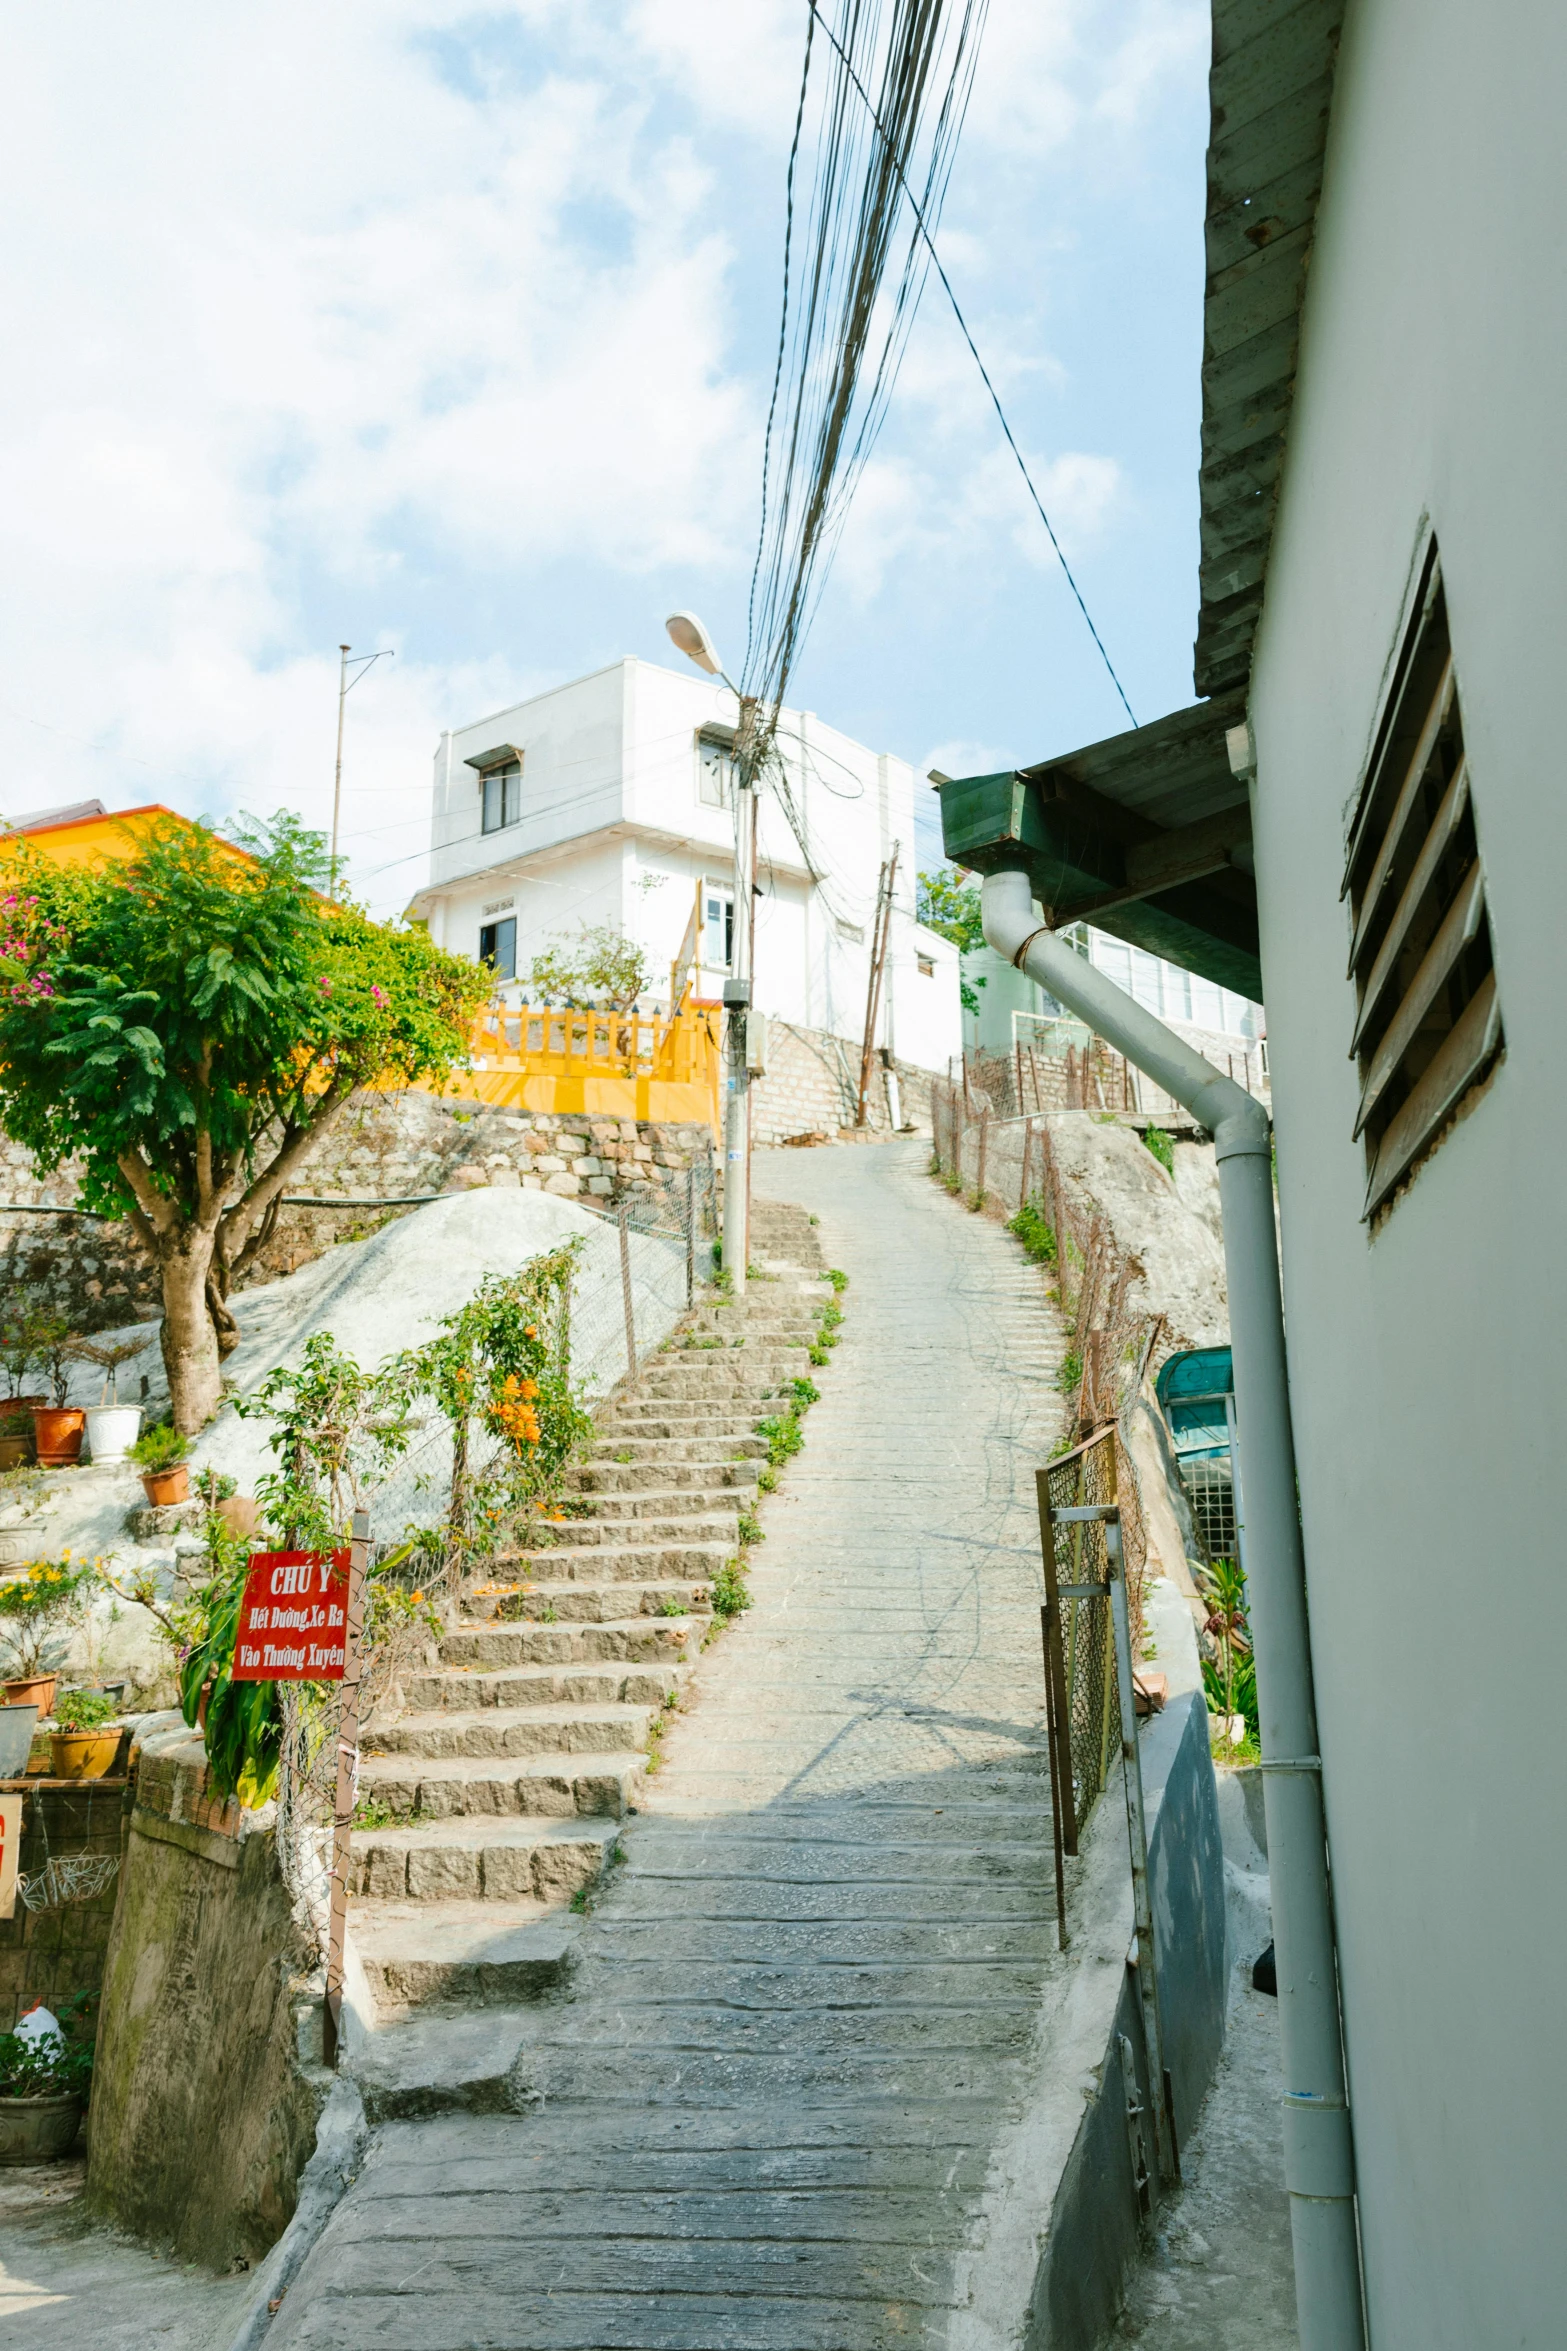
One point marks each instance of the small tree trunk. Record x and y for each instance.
(190, 1341)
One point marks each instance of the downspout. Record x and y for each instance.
(1319, 2167)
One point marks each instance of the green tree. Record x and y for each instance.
(190, 1024)
(948, 903)
(596, 964)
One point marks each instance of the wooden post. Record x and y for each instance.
(984, 1146)
(1028, 1145)
(1017, 1074)
(625, 1289)
(347, 1787)
(691, 1234)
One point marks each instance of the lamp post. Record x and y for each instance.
(687, 633)
(345, 686)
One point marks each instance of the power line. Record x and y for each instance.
(963, 327)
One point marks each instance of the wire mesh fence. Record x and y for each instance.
(1078, 1632)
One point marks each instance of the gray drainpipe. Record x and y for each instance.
(1319, 2164)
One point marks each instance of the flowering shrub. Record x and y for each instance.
(29, 938)
(37, 1611)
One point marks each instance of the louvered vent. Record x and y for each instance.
(1428, 1024)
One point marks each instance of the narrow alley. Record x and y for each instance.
(765, 2109)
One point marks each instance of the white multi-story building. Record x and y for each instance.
(610, 801)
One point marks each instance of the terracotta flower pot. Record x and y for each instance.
(38, 2130)
(57, 1434)
(83, 1755)
(241, 1514)
(166, 1485)
(38, 1692)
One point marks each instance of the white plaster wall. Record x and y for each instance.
(1429, 1363)
(571, 740)
(614, 830)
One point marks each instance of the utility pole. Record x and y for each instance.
(345, 686)
(880, 933)
(737, 1005)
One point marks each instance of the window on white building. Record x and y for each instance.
(498, 946)
(715, 782)
(502, 790)
(718, 926)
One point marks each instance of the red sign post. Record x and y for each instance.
(300, 1620)
(293, 1620)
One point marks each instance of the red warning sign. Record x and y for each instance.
(293, 1620)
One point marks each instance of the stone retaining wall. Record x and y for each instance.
(812, 1086)
(97, 1276)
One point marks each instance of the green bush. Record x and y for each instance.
(85, 1710)
(730, 1596)
(1070, 1375)
(160, 1447)
(1162, 1146)
(805, 1393)
(59, 2064)
(1038, 1238)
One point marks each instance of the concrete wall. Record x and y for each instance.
(1428, 1362)
(205, 2095)
(1096, 2219)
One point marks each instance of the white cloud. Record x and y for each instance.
(318, 317)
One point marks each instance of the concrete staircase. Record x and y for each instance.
(498, 1789)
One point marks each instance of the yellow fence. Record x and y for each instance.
(600, 1064)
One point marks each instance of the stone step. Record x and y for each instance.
(692, 1382)
(591, 1534)
(489, 1730)
(548, 1787)
(706, 1419)
(611, 1563)
(667, 1597)
(509, 1860)
(665, 1443)
(640, 1640)
(477, 1952)
(662, 1475)
(464, 1686)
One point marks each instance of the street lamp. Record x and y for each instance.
(687, 633)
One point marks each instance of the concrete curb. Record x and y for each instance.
(1064, 2218)
(342, 2136)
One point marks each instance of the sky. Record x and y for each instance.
(449, 330)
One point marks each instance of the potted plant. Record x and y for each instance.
(18, 1354)
(111, 1426)
(37, 1611)
(45, 2075)
(58, 1427)
(86, 1739)
(160, 1453)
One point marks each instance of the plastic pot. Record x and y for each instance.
(57, 1434)
(112, 1429)
(162, 1486)
(38, 2130)
(83, 1755)
(17, 1724)
(38, 1692)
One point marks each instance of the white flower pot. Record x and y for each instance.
(112, 1430)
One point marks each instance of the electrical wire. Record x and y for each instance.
(963, 328)
(841, 341)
